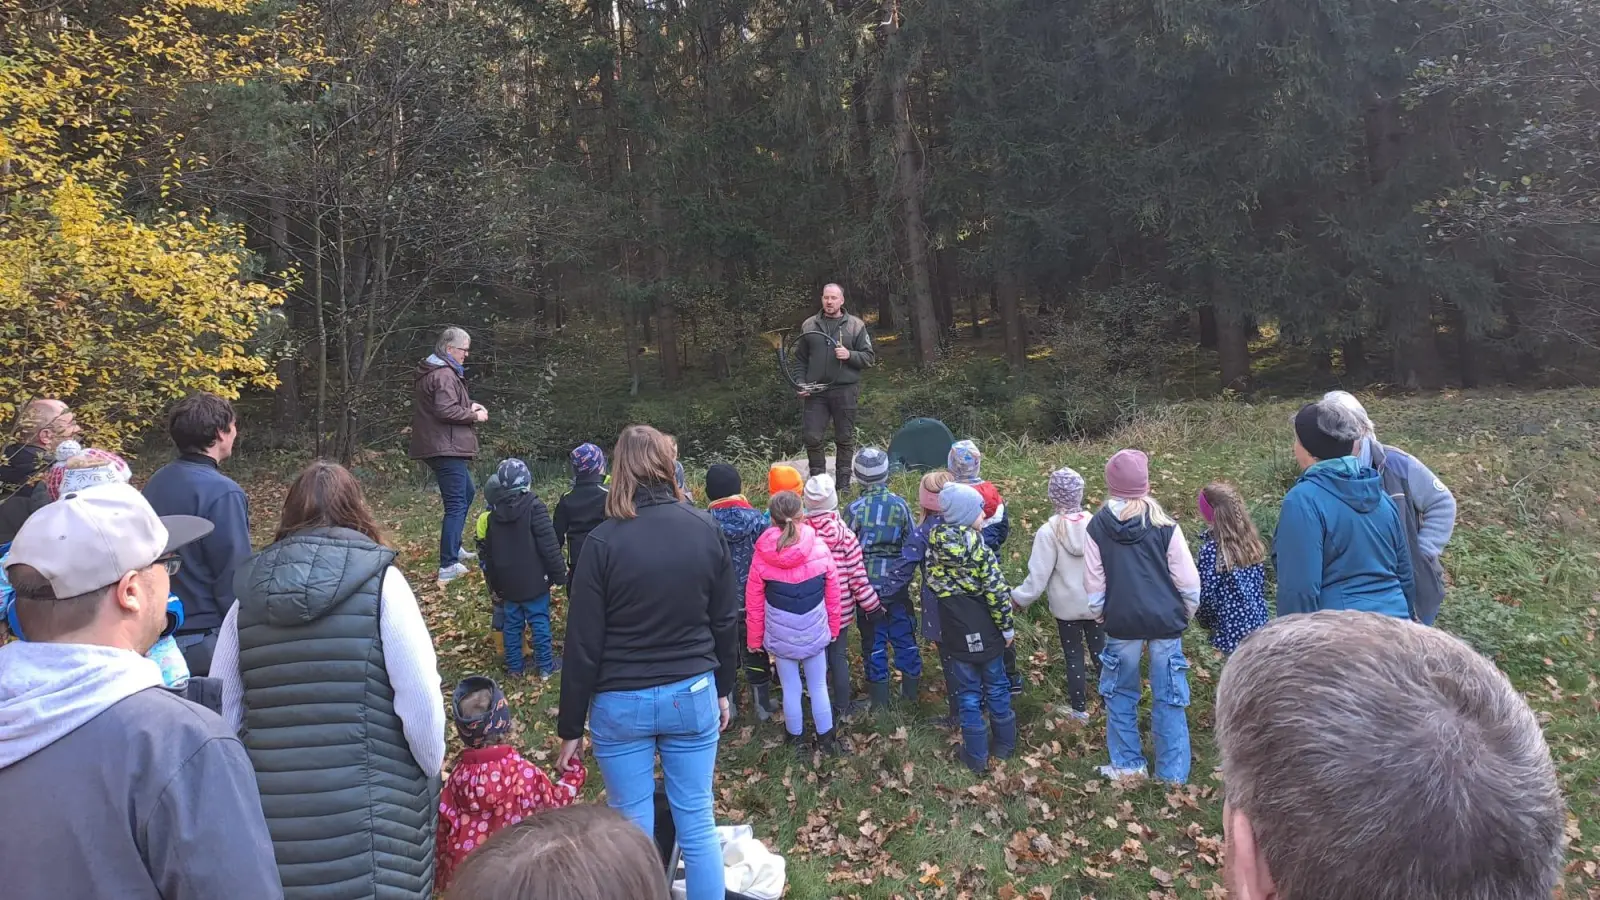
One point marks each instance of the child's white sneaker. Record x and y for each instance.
(464, 553)
(451, 573)
(1116, 774)
(1076, 715)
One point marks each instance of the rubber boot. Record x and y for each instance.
(1004, 740)
(879, 692)
(909, 688)
(797, 745)
(829, 743)
(760, 697)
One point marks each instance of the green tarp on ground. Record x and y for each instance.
(920, 444)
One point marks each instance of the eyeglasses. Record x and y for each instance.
(171, 563)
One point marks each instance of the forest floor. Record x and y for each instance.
(900, 818)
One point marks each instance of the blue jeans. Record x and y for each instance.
(1169, 698)
(455, 488)
(977, 685)
(535, 614)
(899, 631)
(680, 721)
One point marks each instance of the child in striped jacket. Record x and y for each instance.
(855, 589)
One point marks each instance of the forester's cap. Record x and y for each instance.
(91, 538)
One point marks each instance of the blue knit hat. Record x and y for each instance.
(587, 459)
(514, 476)
(871, 466)
(960, 504)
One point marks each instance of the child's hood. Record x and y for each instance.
(513, 506)
(829, 526)
(793, 556)
(1070, 531)
(739, 522)
(954, 545)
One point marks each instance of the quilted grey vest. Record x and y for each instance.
(351, 814)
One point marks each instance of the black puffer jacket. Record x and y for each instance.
(654, 601)
(521, 558)
(21, 492)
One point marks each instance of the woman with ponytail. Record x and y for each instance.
(792, 610)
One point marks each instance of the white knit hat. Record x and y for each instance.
(821, 494)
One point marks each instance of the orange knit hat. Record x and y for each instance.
(784, 478)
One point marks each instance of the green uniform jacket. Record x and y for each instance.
(816, 353)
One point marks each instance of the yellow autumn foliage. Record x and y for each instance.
(114, 313)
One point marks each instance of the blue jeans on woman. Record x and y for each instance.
(535, 616)
(680, 721)
(977, 685)
(1122, 687)
(456, 490)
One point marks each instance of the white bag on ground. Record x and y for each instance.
(749, 868)
(753, 870)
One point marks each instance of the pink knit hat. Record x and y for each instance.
(1128, 475)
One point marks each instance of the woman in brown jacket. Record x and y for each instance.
(443, 435)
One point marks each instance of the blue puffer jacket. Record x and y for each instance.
(1341, 544)
(741, 525)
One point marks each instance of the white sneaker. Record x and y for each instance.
(1116, 774)
(451, 573)
(464, 553)
(1074, 714)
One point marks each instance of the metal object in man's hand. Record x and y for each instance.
(791, 367)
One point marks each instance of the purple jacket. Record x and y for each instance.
(792, 596)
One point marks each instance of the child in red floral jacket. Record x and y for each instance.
(492, 786)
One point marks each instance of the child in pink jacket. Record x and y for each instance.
(792, 612)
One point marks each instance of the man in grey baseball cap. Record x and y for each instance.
(111, 785)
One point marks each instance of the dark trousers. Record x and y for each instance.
(1077, 637)
(839, 673)
(456, 490)
(1012, 675)
(838, 406)
(756, 664)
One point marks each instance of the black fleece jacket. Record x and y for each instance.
(521, 559)
(578, 512)
(654, 601)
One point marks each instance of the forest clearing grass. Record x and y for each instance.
(901, 818)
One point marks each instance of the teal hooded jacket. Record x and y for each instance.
(1341, 544)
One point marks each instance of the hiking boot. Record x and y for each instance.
(451, 573)
(879, 692)
(830, 744)
(910, 688)
(760, 698)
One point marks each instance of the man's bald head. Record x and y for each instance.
(46, 423)
(832, 299)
